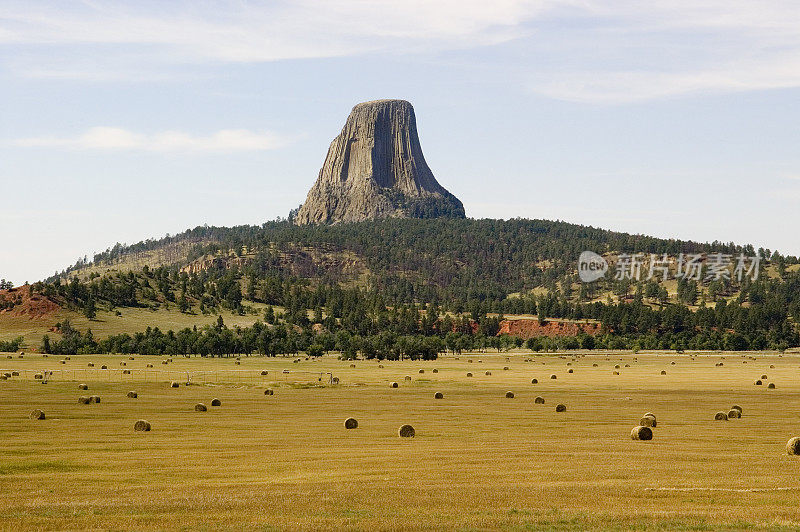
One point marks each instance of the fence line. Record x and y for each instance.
(160, 375)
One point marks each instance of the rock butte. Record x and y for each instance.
(375, 169)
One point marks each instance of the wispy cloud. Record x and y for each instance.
(113, 138)
(597, 51)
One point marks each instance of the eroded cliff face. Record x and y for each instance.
(375, 169)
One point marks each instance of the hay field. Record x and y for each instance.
(478, 461)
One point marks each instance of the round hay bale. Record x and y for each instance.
(595, 365)
(67, 358)
(764, 377)
(406, 431)
(63, 361)
(393, 385)
(672, 363)
(174, 384)
(641, 433)
(132, 395)
(123, 364)
(509, 395)
(216, 402)
(238, 363)
(165, 362)
(488, 373)
(91, 364)
(83, 387)
(772, 366)
(94, 399)
(569, 363)
(15, 373)
(264, 372)
(771, 386)
(36, 414)
(335, 380)
(149, 365)
(561, 408)
(539, 400)
(616, 366)
(141, 426)
(663, 372)
(351, 423)
(615, 373)
(627, 365)
(649, 414)
(734, 414)
(422, 371)
(408, 378)
(435, 370)
(720, 416)
(352, 365)
(534, 381)
(83, 400)
(438, 395)
(759, 383)
(38, 376)
(647, 421)
(469, 360)
(792, 446)
(9, 356)
(269, 391)
(469, 374)
(126, 372)
(505, 368)
(103, 367)
(570, 370)
(553, 377)
(200, 407)
(737, 407)
(380, 366)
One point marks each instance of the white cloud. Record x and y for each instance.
(112, 138)
(597, 51)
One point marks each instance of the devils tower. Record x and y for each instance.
(375, 169)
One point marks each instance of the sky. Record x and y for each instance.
(127, 120)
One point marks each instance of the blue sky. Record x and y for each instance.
(123, 121)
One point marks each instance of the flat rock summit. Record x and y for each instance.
(375, 169)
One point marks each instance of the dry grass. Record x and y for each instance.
(478, 461)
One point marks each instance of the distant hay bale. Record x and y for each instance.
(759, 383)
(641, 433)
(764, 377)
(126, 372)
(352, 365)
(570, 370)
(406, 431)
(422, 371)
(616, 366)
(595, 365)
(771, 386)
(149, 365)
(393, 385)
(238, 362)
(15, 373)
(792, 446)
(94, 399)
(505, 368)
(720, 416)
(165, 362)
(36, 414)
(91, 364)
(772, 366)
(380, 366)
(408, 378)
(488, 373)
(63, 361)
(130, 358)
(142, 426)
(627, 365)
(561, 408)
(67, 358)
(200, 407)
(734, 414)
(123, 364)
(335, 380)
(672, 363)
(132, 395)
(647, 421)
(553, 377)
(615, 373)
(569, 363)
(509, 395)
(534, 381)
(269, 391)
(351, 423)
(539, 400)
(83, 400)
(435, 370)
(104, 367)
(264, 372)
(38, 376)
(216, 402)
(83, 387)
(737, 407)
(649, 414)
(438, 395)
(174, 384)
(469, 374)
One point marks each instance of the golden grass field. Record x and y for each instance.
(478, 461)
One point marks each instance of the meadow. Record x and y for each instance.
(478, 461)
